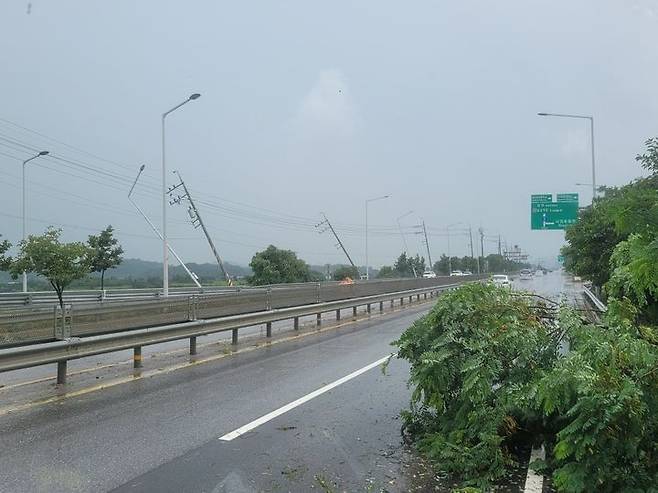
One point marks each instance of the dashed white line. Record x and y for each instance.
(292, 405)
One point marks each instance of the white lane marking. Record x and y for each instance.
(534, 483)
(284, 409)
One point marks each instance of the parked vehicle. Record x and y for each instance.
(429, 274)
(525, 274)
(456, 273)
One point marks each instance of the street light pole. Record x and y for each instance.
(591, 129)
(165, 247)
(42, 153)
(367, 201)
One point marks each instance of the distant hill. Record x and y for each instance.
(136, 268)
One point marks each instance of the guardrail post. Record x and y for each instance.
(137, 357)
(192, 346)
(402, 301)
(268, 329)
(353, 312)
(268, 299)
(411, 298)
(424, 296)
(234, 337)
(368, 307)
(381, 306)
(61, 372)
(318, 319)
(418, 297)
(392, 303)
(337, 314)
(296, 323)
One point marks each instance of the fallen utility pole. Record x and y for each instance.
(197, 221)
(340, 243)
(192, 275)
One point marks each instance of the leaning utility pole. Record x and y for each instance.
(482, 246)
(197, 221)
(500, 251)
(192, 275)
(427, 244)
(470, 234)
(340, 243)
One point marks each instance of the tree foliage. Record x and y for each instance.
(345, 271)
(275, 266)
(404, 266)
(485, 366)
(60, 263)
(473, 359)
(649, 160)
(5, 260)
(107, 252)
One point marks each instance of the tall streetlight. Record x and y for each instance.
(591, 129)
(42, 153)
(404, 239)
(449, 256)
(367, 202)
(165, 247)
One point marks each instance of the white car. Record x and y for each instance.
(525, 274)
(429, 274)
(456, 273)
(467, 273)
(501, 280)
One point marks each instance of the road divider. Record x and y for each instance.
(61, 351)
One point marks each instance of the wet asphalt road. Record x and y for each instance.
(162, 433)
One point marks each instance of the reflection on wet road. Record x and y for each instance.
(554, 285)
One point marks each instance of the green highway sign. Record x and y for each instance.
(548, 214)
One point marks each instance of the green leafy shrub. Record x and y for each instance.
(474, 359)
(602, 399)
(485, 368)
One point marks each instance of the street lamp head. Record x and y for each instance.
(141, 168)
(44, 153)
(194, 96)
(542, 114)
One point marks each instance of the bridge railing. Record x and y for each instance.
(30, 325)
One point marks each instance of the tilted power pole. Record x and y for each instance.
(427, 243)
(197, 221)
(340, 243)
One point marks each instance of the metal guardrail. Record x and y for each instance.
(597, 303)
(36, 298)
(61, 351)
(27, 325)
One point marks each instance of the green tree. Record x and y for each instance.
(5, 260)
(406, 266)
(60, 263)
(107, 252)
(649, 160)
(345, 271)
(275, 266)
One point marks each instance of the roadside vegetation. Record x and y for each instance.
(488, 376)
(492, 369)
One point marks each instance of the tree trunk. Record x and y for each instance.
(60, 293)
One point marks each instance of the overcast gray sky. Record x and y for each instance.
(312, 107)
